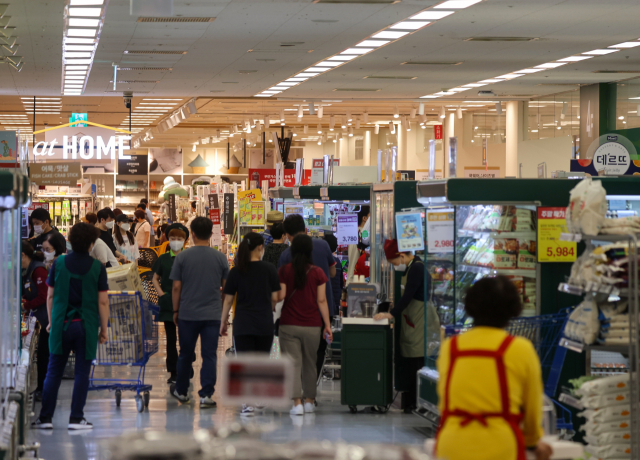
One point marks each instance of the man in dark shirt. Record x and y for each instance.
(41, 220)
(106, 221)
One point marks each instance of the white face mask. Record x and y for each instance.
(37, 229)
(400, 267)
(69, 248)
(125, 227)
(109, 224)
(48, 256)
(176, 245)
(366, 232)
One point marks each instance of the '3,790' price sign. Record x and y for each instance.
(551, 223)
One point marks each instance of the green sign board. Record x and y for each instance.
(78, 117)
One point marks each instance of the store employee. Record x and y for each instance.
(41, 220)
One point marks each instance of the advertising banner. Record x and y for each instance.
(228, 213)
(55, 173)
(409, 231)
(8, 149)
(270, 174)
(437, 132)
(137, 166)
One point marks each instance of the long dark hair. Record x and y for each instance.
(248, 244)
(118, 231)
(28, 251)
(302, 257)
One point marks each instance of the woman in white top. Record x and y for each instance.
(124, 240)
(143, 229)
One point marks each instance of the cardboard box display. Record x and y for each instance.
(125, 278)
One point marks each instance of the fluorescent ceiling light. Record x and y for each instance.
(356, 50)
(459, 89)
(78, 61)
(327, 64)
(271, 92)
(164, 104)
(445, 93)
(76, 54)
(491, 80)
(317, 69)
(85, 12)
(456, 4)
(307, 74)
(76, 72)
(395, 35)
(163, 99)
(626, 45)
(474, 85)
(284, 83)
(530, 70)
(85, 2)
(79, 40)
(432, 15)
(84, 33)
(372, 43)
(410, 25)
(278, 88)
(262, 95)
(79, 47)
(510, 76)
(342, 58)
(550, 65)
(574, 58)
(82, 22)
(296, 79)
(69, 85)
(600, 52)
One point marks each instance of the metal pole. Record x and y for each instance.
(244, 153)
(33, 137)
(264, 148)
(228, 153)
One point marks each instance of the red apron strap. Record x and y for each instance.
(453, 353)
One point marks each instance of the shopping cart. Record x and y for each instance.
(133, 338)
(544, 332)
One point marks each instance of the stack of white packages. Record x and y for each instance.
(621, 226)
(607, 410)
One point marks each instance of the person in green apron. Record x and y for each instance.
(78, 308)
(176, 234)
(410, 311)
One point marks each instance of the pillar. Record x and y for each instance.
(514, 136)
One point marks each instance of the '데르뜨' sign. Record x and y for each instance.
(55, 173)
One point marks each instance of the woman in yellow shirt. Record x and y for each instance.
(490, 387)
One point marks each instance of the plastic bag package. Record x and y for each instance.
(598, 429)
(607, 414)
(595, 402)
(611, 437)
(610, 451)
(630, 221)
(576, 204)
(595, 208)
(583, 324)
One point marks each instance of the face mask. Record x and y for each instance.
(125, 227)
(176, 245)
(69, 248)
(37, 229)
(400, 267)
(366, 232)
(262, 255)
(48, 256)
(109, 224)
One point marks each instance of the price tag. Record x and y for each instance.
(440, 231)
(551, 247)
(347, 229)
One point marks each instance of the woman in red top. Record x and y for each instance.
(34, 299)
(304, 311)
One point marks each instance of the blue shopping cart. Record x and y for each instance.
(544, 332)
(133, 338)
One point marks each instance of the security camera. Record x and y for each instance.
(127, 95)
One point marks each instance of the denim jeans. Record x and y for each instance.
(73, 339)
(188, 333)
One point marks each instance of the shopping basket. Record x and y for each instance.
(544, 332)
(132, 339)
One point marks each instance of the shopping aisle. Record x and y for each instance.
(332, 421)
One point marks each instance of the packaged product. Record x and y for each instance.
(630, 221)
(583, 324)
(576, 204)
(125, 278)
(619, 230)
(611, 437)
(610, 452)
(594, 402)
(607, 414)
(595, 208)
(523, 220)
(597, 429)
(526, 253)
(505, 252)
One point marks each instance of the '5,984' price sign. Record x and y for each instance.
(551, 223)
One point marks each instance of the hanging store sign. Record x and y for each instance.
(172, 208)
(55, 173)
(270, 175)
(409, 231)
(78, 117)
(216, 237)
(91, 143)
(228, 213)
(437, 132)
(440, 231)
(213, 201)
(347, 231)
(137, 165)
(552, 223)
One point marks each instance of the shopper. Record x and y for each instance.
(42, 227)
(34, 300)
(142, 231)
(100, 250)
(198, 275)
(106, 221)
(274, 250)
(337, 284)
(410, 312)
(178, 234)
(257, 287)
(78, 308)
(144, 205)
(124, 240)
(356, 251)
(53, 247)
(305, 314)
(273, 218)
(490, 411)
(117, 212)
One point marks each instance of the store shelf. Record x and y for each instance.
(498, 271)
(480, 234)
(135, 190)
(596, 289)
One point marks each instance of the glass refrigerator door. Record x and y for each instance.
(496, 240)
(383, 228)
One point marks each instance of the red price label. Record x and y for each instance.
(444, 243)
(560, 251)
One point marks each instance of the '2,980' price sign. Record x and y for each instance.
(551, 223)
(440, 231)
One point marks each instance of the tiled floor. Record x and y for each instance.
(331, 421)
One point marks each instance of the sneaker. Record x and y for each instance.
(207, 402)
(309, 408)
(179, 397)
(172, 378)
(40, 425)
(247, 411)
(297, 410)
(80, 425)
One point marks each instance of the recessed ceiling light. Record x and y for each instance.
(85, 12)
(79, 40)
(491, 80)
(626, 45)
(432, 15)
(271, 92)
(550, 65)
(81, 32)
(456, 4)
(409, 25)
(343, 57)
(357, 50)
(373, 43)
(307, 74)
(530, 70)
(81, 22)
(85, 2)
(327, 64)
(284, 83)
(75, 54)
(510, 76)
(459, 89)
(78, 61)
(394, 35)
(76, 72)
(475, 85)
(600, 52)
(79, 47)
(574, 58)
(317, 69)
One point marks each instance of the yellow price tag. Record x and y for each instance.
(551, 223)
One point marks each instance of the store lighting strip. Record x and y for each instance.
(83, 22)
(376, 41)
(176, 117)
(148, 110)
(539, 68)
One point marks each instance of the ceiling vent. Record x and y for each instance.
(153, 52)
(146, 68)
(501, 39)
(175, 19)
(356, 89)
(390, 77)
(361, 2)
(431, 63)
(616, 71)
